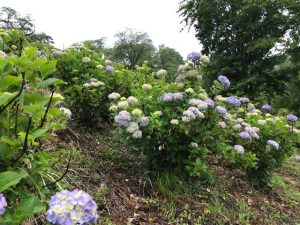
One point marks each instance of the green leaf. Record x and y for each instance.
(38, 133)
(50, 81)
(28, 207)
(10, 178)
(8, 81)
(47, 68)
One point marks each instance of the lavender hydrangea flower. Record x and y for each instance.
(291, 118)
(123, 119)
(273, 143)
(221, 110)
(245, 135)
(210, 103)
(3, 204)
(179, 96)
(108, 62)
(109, 69)
(167, 97)
(266, 107)
(233, 101)
(179, 79)
(194, 101)
(244, 100)
(240, 149)
(224, 81)
(194, 56)
(143, 121)
(72, 207)
(57, 54)
(196, 112)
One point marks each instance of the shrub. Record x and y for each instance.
(178, 126)
(89, 79)
(29, 114)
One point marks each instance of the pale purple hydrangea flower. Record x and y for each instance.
(194, 56)
(123, 119)
(224, 81)
(210, 103)
(244, 100)
(143, 121)
(179, 79)
(196, 112)
(167, 97)
(3, 204)
(252, 131)
(57, 54)
(233, 101)
(194, 101)
(273, 143)
(240, 149)
(266, 107)
(221, 110)
(114, 96)
(245, 135)
(237, 127)
(222, 124)
(291, 118)
(181, 68)
(109, 69)
(177, 96)
(137, 134)
(72, 207)
(108, 62)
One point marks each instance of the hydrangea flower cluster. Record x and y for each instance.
(191, 114)
(114, 96)
(273, 144)
(93, 83)
(72, 207)
(177, 96)
(182, 68)
(194, 56)
(123, 119)
(132, 100)
(291, 118)
(244, 100)
(240, 149)
(147, 86)
(3, 204)
(179, 79)
(204, 59)
(2, 55)
(224, 81)
(109, 69)
(57, 54)
(210, 103)
(99, 66)
(233, 101)
(86, 59)
(161, 73)
(266, 107)
(66, 111)
(221, 110)
(245, 135)
(108, 62)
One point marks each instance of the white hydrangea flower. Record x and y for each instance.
(2, 55)
(132, 127)
(161, 73)
(114, 96)
(222, 124)
(262, 122)
(108, 62)
(66, 111)
(237, 127)
(204, 59)
(158, 113)
(99, 66)
(123, 104)
(86, 59)
(189, 90)
(113, 108)
(132, 100)
(137, 134)
(174, 121)
(147, 86)
(194, 145)
(202, 105)
(87, 85)
(240, 149)
(137, 112)
(186, 119)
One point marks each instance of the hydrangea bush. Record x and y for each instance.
(29, 114)
(180, 126)
(89, 79)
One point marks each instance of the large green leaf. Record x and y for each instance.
(47, 68)
(10, 178)
(50, 81)
(28, 207)
(8, 81)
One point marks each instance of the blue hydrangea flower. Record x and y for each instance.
(240, 149)
(109, 69)
(266, 107)
(143, 121)
(210, 103)
(245, 135)
(3, 204)
(291, 118)
(221, 110)
(177, 96)
(194, 56)
(233, 101)
(224, 81)
(123, 119)
(72, 207)
(167, 97)
(273, 143)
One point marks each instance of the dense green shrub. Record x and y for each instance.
(89, 79)
(178, 126)
(29, 114)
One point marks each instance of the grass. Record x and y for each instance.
(117, 178)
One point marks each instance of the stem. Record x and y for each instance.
(13, 99)
(47, 109)
(64, 174)
(16, 120)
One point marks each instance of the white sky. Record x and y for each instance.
(70, 21)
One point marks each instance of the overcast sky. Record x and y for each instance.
(70, 21)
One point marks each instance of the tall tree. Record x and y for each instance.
(168, 59)
(97, 45)
(240, 37)
(132, 48)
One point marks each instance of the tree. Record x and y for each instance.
(10, 19)
(168, 59)
(41, 37)
(240, 37)
(97, 45)
(132, 48)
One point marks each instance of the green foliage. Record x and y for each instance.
(88, 84)
(28, 116)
